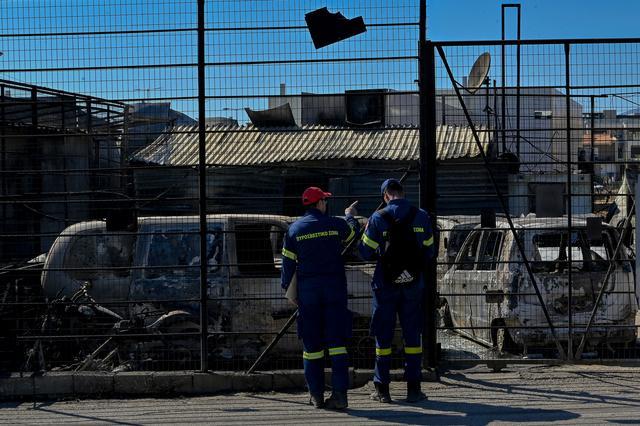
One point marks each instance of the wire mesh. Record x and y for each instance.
(101, 117)
(559, 281)
(102, 250)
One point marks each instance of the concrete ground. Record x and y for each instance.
(525, 394)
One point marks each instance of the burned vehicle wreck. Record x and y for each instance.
(152, 275)
(488, 296)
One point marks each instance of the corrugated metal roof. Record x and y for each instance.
(248, 145)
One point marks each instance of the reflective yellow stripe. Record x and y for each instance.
(412, 350)
(418, 229)
(383, 351)
(291, 255)
(341, 350)
(368, 241)
(351, 235)
(313, 355)
(428, 242)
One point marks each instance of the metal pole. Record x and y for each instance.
(592, 167)
(273, 342)
(427, 170)
(495, 111)
(504, 7)
(202, 183)
(3, 153)
(503, 67)
(487, 108)
(518, 85)
(567, 72)
(126, 176)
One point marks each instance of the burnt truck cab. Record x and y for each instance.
(156, 270)
(490, 296)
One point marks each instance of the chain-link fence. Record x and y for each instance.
(537, 255)
(154, 153)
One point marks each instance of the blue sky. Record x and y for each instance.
(447, 20)
(480, 19)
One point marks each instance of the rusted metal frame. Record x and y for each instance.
(567, 76)
(202, 186)
(612, 263)
(502, 201)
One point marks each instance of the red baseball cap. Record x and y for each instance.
(313, 194)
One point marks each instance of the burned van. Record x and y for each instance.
(488, 294)
(156, 270)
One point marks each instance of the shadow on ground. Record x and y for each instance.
(461, 413)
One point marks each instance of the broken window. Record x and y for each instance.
(468, 257)
(457, 237)
(94, 255)
(551, 252)
(177, 252)
(490, 254)
(254, 249)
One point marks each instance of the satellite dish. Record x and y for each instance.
(478, 73)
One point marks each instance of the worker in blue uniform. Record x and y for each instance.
(403, 297)
(312, 250)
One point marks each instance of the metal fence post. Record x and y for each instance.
(567, 50)
(427, 164)
(202, 186)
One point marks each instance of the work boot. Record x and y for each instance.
(317, 400)
(337, 401)
(381, 394)
(414, 394)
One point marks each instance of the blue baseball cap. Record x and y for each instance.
(386, 183)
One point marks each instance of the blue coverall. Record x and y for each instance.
(312, 249)
(391, 300)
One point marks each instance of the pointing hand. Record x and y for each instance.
(351, 210)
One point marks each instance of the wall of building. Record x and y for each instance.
(34, 225)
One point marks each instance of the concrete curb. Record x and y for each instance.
(55, 385)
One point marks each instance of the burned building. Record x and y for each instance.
(59, 155)
(252, 170)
